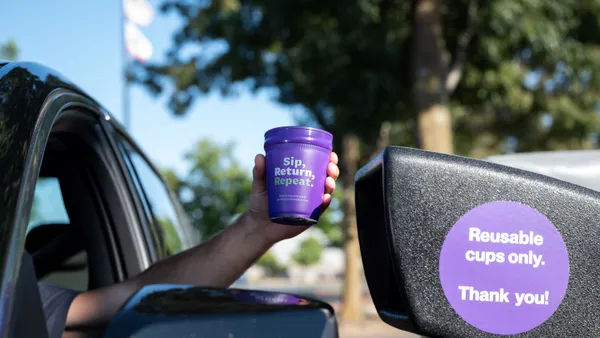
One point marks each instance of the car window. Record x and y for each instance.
(49, 208)
(48, 205)
(168, 226)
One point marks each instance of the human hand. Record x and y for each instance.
(259, 202)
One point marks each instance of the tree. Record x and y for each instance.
(9, 51)
(502, 75)
(344, 96)
(215, 190)
(430, 95)
(309, 252)
(531, 80)
(330, 221)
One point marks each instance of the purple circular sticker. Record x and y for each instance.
(504, 268)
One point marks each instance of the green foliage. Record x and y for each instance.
(309, 252)
(271, 265)
(330, 221)
(530, 69)
(215, 190)
(345, 65)
(532, 77)
(9, 51)
(169, 237)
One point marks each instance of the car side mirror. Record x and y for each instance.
(184, 311)
(458, 247)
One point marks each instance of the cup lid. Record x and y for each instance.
(308, 135)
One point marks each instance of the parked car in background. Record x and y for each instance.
(581, 167)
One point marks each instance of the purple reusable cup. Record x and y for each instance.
(297, 160)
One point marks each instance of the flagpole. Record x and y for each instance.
(125, 63)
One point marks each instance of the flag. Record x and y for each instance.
(139, 12)
(136, 43)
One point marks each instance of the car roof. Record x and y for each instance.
(41, 80)
(581, 167)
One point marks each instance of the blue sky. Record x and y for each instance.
(82, 41)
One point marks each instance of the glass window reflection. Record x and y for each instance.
(167, 225)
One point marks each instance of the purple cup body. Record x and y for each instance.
(297, 160)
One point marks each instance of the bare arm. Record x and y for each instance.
(218, 263)
(215, 263)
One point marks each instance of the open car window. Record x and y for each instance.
(65, 266)
(48, 204)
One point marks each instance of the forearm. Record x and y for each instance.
(215, 263)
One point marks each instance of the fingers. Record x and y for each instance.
(329, 185)
(259, 183)
(333, 158)
(259, 167)
(326, 201)
(333, 171)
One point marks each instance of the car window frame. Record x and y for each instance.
(190, 236)
(47, 100)
(141, 195)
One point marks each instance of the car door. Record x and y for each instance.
(51, 129)
(169, 228)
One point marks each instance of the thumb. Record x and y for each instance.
(259, 184)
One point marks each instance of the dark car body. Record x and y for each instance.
(119, 214)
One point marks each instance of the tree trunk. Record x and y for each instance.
(384, 138)
(430, 64)
(352, 308)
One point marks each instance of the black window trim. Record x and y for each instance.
(113, 129)
(184, 225)
(151, 235)
(113, 201)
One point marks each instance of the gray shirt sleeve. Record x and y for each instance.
(56, 302)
